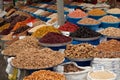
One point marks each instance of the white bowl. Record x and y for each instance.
(81, 75)
(89, 77)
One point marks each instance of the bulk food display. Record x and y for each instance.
(44, 74)
(85, 47)
(33, 58)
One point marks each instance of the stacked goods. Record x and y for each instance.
(54, 38)
(68, 27)
(84, 32)
(77, 14)
(96, 12)
(44, 30)
(111, 32)
(88, 21)
(80, 51)
(19, 45)
(33, 58)
(45, 75)
(12, 20)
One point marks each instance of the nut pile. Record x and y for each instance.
(19, 45)
(107, 55)
(33, 58)
(109, 46)
(80, 51)
(88, 21)
(109, 19)
(114, 11)
(45, 75)
(111, 31)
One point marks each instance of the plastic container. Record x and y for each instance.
(50, 10)
(106, 24)
(111, 64)
(116, 15)
(93, 41)
(73, 20)
(95, 17)
(82, 62)
(110, 37)
(80, 75)
(89, 77)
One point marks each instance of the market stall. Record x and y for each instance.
(75, 41)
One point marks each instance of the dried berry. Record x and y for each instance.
(84, 32)
(53, 38)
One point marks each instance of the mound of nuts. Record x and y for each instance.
(111, 31)
(80, 51)
(109, 19)
(33, 58)
(45, 75)
(107, 55)
(109, 46)
(114, 11)
(19, 45)
(88, 21)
